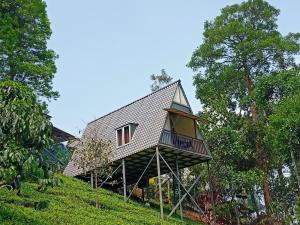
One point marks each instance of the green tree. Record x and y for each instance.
(160, 80)
(284, 134)
(234, 169)
(24, 133)
(279, 96)
(24, 56)
(239, 46)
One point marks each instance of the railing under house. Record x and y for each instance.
(183, 142)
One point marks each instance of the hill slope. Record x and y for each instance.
(73, 203)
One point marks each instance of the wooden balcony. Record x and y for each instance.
(183, 142)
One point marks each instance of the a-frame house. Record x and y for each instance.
(161, 124)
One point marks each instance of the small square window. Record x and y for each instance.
(125, 134)
(119, 137)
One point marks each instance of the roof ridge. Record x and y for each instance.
(177, 81)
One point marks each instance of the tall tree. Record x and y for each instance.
(160, 80)
(24, 56)
(279, 96)
(284, 134)
(239, 46)
(27, 68)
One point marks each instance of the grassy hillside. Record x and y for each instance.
(73, 203)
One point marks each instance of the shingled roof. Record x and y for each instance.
(149, 115)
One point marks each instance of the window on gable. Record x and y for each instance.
(125, 134)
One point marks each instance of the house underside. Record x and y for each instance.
(180, 151)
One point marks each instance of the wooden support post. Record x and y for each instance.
(141, 176)
(148, 190)
(185, 195)
(174, 190)
(110, 176)
(143, 194)
(187, 192)
(178, 186)
(211, 194)
(92, 180)
(168, 186)
(124, 178)
(159, 185)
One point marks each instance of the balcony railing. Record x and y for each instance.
(183, 142)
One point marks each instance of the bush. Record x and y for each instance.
(25, 132)
(72, 203)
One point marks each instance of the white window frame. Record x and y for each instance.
(123, 135)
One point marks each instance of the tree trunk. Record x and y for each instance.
(237, 216)
(92, 180)
(262, 161)
(96, 180)
(97, 192)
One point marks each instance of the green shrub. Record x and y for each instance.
(71, 203)
(42, 205)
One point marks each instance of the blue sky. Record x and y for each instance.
(108, 49)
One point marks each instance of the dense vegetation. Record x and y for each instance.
(25, 132)
(25, 58)
(249, 85)
(27, 68)
(73, 203)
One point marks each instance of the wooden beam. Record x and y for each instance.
(188, 115)
(124, 179)
(178, 187)
(159, 185)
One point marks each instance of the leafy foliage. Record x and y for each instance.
(92, 153)
(58, 156)
(278, 96)
(27, 68)
(25, 130)
(160, 80)
(244, 69)
(242, 41)
(285, 124)
(24, 31)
